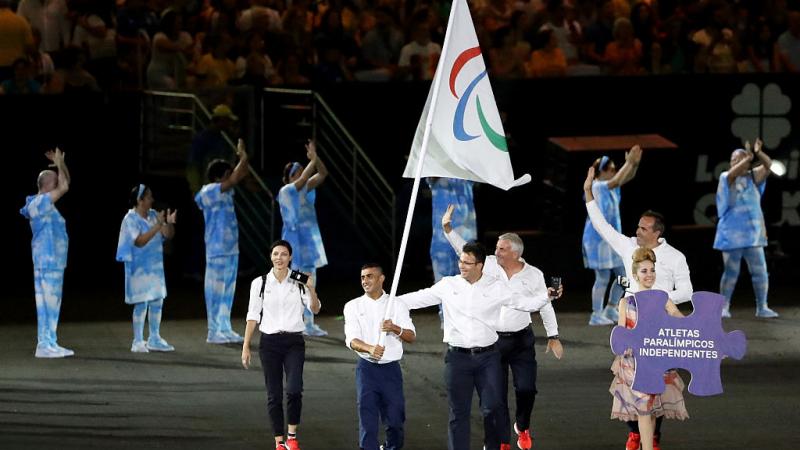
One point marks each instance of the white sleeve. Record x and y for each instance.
(683, 284)
(256, 302)
(618, 241)
(402, 317)
(455, 240)
(548, 316)
(352, 329)
(534, 299)
(421, 298)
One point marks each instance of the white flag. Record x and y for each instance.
(467, 140)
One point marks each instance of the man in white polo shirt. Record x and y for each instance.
(516, 339)
(379, 380)
(671, 267)
(471, 304)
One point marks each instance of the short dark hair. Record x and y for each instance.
(217, 168)
(475, 249)
(658, 220)
(281, 243)
(372, 265)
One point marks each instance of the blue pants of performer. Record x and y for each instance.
(47, 285)
(756, 263)
(444, 263)
(220, 285)
(464, 372)
(312, 329)
(283, 354)
(601, 279)
(152, 309)
(379, 388)
(516, 352)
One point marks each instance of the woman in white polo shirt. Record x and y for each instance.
(276, 307)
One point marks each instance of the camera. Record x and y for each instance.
(555, 282)
(623, 281)
(300, 277)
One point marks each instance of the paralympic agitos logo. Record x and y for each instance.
(496, 139)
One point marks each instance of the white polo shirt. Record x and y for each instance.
(529, 281)
(472, 310)
(363, 317)
(281, 308)
(672, 272)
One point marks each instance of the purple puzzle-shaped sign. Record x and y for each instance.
(696, 342)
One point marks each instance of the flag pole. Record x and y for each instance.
(423, 150)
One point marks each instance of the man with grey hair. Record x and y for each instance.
(515, 335)
(49, 249)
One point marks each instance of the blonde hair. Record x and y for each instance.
(640, 255)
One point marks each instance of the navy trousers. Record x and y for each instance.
(463, 373)
(379, 388)
(517, 353)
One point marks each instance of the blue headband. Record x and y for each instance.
(295, 167)
(141, 192)
(603, 162)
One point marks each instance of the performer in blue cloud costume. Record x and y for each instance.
(215, 199)
(741, 230)
(49, 251)
(140, 247)
(300, 227)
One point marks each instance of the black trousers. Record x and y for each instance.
(518, 354)
(283, 354)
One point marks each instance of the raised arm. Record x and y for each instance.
(240, 171)
(742, 166)
(58, 159)
(311, 167)
(322, 171)
(761, 172)
(168, 230)
(142, 239)
(420, 299)
(455, 239)
(628, 170)
(314, 304)
(619, 242)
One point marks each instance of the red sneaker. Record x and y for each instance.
(505, 446)
(656, 444)
(634, 441)
(292, 444)
(524, 440)
(280, 446)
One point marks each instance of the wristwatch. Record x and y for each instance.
(553, 337)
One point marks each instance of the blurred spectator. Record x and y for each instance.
(73, 77)
(645, 29)
(136, 25)
(171, 54)
(332, 67)
(22, 81)
(673, 54)
(331, 30)
(547, 60)
(624, 54)
(495, 15)
(788, 45)
(261, 16)
(717, 48)
(567, 32)
(41, 62)
(599, 34)
(255, 66)
(214, 68)
(418, 58)
(506, 60)
(380, 49)
(289, 70)
(16, 39)
(95, 33)
(761, 47)
(49, 17)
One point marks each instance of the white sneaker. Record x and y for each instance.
(217, 338)
(610, 313)
(233, 337)
(47, 351)
(598, 319)
(766, 313)
(64, 351)
(726, 312)
(139, 347)
(158, 344)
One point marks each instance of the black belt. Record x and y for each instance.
(471, 350)
(513, 333)
(287, 332)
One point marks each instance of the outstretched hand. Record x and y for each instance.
(587, 184)
(240, 150)
(172, 215)
(55, 156)
(758, 145)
